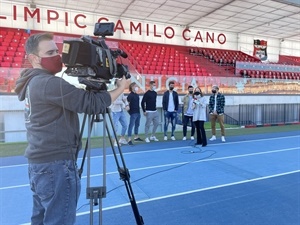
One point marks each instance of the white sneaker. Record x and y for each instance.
(213, 138)
(123, 141)
(153, 138)
(184, 138)
(147, 140)
(115, 144)
(173, 138)
(165, 138)
(192, 138)
(223, 139)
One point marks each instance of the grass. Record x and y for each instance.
(18, 148)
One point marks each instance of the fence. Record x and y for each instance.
(258, 114)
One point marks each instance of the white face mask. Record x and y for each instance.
(136, 89)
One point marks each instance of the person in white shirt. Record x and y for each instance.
(188, 111)
(199, 116)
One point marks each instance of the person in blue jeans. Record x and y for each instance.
(170, 104)
(53, 132)
(188, 111)
(118, 108)
(133, 100)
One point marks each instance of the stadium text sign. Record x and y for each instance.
(138, 28)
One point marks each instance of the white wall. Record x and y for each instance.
(12, 113)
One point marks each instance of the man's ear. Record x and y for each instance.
(33, 59)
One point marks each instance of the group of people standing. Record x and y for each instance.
(194, 113)
(194, 110)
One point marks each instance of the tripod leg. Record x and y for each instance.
(124, 175)
(97, 193)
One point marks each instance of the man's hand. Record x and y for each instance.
(122, 83)
(121, 86)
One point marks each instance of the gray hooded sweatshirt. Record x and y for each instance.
(51, 119)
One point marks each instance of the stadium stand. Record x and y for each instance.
(148, 58)
(289, 60)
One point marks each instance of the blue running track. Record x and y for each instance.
(249, 180)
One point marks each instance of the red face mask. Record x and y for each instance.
(53, 64)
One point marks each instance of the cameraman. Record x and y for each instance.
(51, 107)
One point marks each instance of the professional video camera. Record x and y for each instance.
(92, 60)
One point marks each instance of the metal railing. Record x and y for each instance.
(258, 114)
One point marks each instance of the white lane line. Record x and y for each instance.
(196, 190)
(172, 149)
(175, 164)
(185, 193)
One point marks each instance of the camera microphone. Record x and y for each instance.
(122, 53)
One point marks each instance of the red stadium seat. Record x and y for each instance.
(14, 44)
(10, 53)
(7, 59)
(5, 43)
(16, 65)
(5, 64)
(18, 59)
(3, 48)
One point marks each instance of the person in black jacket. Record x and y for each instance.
(148, 105)
(170, 104)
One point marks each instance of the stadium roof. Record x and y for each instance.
(269, 18)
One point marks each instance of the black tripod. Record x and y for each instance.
(95, 194)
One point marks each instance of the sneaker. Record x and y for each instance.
(123, 141)
(138, 139)
(213, 138)
(115, 144)
(192, 138)
(153, 138)
(173, 138)
(130, 143)
(223, 139)
(184, 138)
(147, 140)
(165, 138)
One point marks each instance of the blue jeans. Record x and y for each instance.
(134, 121)
(56, 188)
(119, 117)
(170, 117)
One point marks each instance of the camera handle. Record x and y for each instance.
(95, 194)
